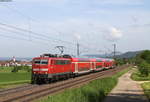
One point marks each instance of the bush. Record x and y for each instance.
(27, 68)
(120, 62)
(146, 87)
(138, 77)
(17, 68)
(144, 68)
(144, 56)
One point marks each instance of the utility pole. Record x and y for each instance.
(114, 50)
(106, 54)
(61, 49)
(78, 49)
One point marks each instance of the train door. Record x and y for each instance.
(91, 65)
(76, 67)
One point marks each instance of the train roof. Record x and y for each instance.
(68, 57)
(81, 59)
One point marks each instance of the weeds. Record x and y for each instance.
(95, 91)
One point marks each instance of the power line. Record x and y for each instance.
(24, 35)
(23, 39)
(37, 34)
(29, 18)
(29, 31)
(18, 12)
(41, 36)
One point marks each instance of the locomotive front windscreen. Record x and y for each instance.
(40, 61)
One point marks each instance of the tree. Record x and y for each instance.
(144, 68)
(145, 55)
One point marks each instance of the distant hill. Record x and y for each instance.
(94, 56)
(129, 54)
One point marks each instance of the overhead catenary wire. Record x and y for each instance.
(25, 38)
(40, 36)
(35, 20)
(29, 18)
(34, 42)
(24, 35)
(35, 33)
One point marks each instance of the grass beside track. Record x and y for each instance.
(8, 79)
(137, 76)
(146, 87)
(13, 84)
(95, 91)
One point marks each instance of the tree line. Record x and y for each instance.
(142, 61)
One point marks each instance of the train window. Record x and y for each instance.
(58, 62)
(44, 61)
(37, 61)
(62, 62)
(99, 66)
(40, 61)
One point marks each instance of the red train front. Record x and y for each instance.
(48, 67)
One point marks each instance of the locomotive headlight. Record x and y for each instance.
(45, 72)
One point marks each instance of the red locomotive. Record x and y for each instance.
(50, 67)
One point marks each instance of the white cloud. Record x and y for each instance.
(77, 36)
(113, 34)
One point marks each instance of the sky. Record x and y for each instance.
(29, 28)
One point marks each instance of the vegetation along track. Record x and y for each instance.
(43, 90)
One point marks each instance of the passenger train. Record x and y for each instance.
(49, 67)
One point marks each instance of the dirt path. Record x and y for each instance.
(126, 90)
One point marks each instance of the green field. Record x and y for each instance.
(9, 78)
(95, 91)
(146, 87)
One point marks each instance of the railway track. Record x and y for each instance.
(16, 89)
(30, 94)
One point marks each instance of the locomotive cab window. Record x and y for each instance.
(62, 62)
(36, 61)
(40, 61)
(44, 61)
